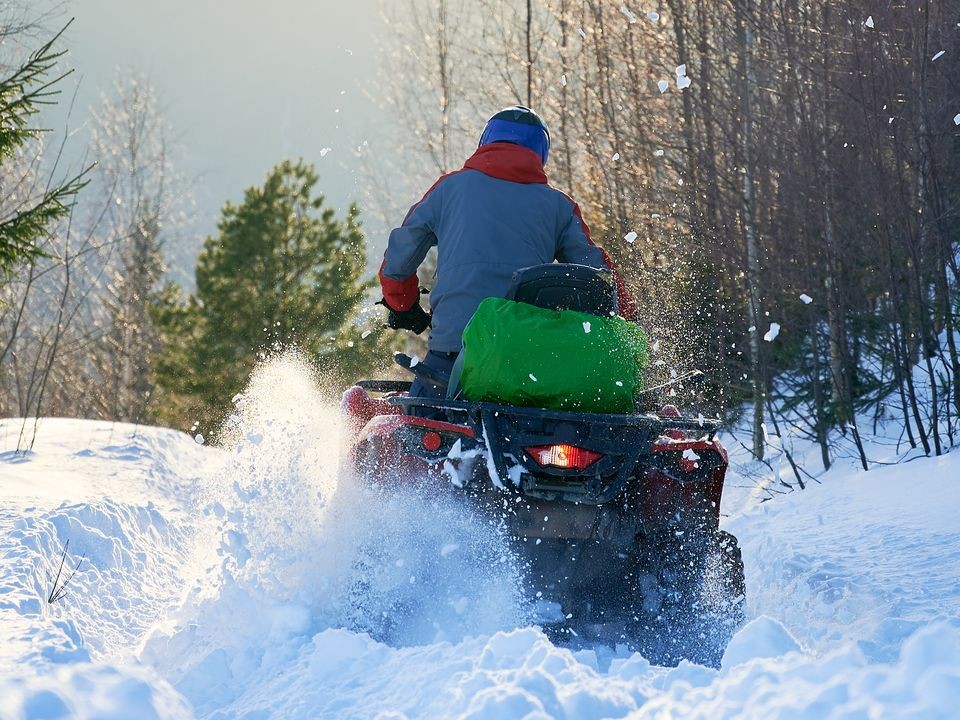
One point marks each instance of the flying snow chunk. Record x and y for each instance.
(627, 14)
(199, 439)
(533, 377)
(563, 80)
(938, 55)
(683, 82)
(772, 333)
(805, 299)
(630, 236)
(586, 326)
(663, 85)
(956, 119)
(869, 21)
(324, 151)
(689, 454)
(616, 156)
(365, 334)
(654, 16)
(658, 153)
(582, 33)
(681, 70)
(414, 361)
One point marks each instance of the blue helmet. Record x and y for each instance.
(521, 126)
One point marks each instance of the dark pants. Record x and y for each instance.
(441, 362)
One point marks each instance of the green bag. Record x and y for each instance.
(520, 354)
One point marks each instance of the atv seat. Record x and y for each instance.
(566, 286)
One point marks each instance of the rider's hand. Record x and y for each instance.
(415, 319)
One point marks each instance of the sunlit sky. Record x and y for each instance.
(244, 83)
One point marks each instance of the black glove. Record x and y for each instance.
(415, 319)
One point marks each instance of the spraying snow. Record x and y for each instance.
(302, 547)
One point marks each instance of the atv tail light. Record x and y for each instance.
(563, 456)
(431, 441)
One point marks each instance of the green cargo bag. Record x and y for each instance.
(519, 354)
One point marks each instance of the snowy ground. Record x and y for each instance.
(219, 583)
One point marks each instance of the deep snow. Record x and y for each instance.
(232, 583)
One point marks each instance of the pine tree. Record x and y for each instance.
(282, 271)
(21, 95)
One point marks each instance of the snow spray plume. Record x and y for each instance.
(283, 441)
(404, 567)
(301, 547)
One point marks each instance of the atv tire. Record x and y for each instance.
(692, 597)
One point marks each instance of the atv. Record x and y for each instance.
(616, 516)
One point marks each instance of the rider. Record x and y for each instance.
(494, 216)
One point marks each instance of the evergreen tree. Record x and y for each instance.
(282, 271)
(23, 223)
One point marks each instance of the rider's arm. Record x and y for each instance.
(407, 247)
(576, 246)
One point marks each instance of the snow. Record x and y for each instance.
(772, 333)
(586, 326)
(630, 236)
(663, 86)
(869, 21)
(805, 299)
(683, 82)
(256, 580)
(956, 119)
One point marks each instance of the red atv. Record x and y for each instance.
(616, 516)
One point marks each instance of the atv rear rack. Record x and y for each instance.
(473, 409)
(624, 441)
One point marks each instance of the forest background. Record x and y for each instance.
(779, 181)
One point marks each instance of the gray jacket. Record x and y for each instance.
(495, 216)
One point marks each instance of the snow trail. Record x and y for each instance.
(258, 580)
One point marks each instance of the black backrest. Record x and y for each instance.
(566, 286)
